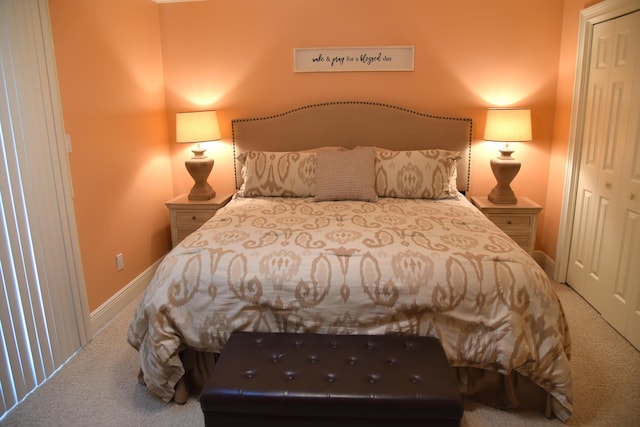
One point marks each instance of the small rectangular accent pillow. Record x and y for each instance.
(346, 175)
(417, 174)
(278, 174)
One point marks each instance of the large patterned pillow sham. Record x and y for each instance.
(278, 174)
(417, 174)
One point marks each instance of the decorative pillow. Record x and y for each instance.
(325, 148)
(346, 175)
(453, 179)
(418, 174)
(243, 156)
(278, 174)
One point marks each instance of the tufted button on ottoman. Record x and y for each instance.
(287, 379)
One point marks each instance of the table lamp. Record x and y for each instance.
(197, 127)
(506, 125)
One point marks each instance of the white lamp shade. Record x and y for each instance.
(197, 126)
(508, 125)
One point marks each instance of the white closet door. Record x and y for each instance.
(621, 306)
(604, 258)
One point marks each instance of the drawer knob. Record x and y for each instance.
(632, 196)
(509, 222)
(193, 217)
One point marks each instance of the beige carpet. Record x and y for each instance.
(98, 386)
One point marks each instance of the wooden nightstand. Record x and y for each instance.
(188, 215)
(517, 220)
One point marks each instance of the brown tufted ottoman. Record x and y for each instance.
(284, 379)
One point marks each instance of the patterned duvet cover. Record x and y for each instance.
(408, 266)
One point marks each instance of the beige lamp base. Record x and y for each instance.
(199, 168)
(504, 168)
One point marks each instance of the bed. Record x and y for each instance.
(351, 218)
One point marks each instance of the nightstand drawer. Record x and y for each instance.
(192, 220)
(512, 223)
(182, 233)
(188, 215)
(523, 240)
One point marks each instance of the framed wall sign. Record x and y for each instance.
(367, 58)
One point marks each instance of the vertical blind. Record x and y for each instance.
(43, 314)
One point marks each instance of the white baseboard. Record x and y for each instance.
(547, 264)
(107, 311)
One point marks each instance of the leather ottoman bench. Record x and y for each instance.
(288, 379)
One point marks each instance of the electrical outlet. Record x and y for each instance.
(120, 262)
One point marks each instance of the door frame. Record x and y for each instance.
(589, 17)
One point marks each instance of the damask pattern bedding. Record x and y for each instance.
(409, 266)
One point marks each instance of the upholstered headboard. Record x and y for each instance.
(350, 124)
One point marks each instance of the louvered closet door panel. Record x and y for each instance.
(42, 305)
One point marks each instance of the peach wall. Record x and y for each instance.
(236, 56)
(112, 88)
